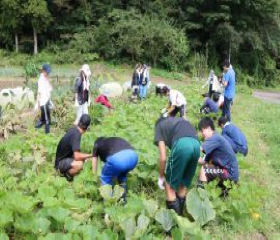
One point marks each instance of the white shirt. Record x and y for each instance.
(176, 98)
(44, 90)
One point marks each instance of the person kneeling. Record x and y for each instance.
(69, 160)
(119, 157)
(217, 149)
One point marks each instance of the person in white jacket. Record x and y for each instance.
(213, 84)
(44, 98)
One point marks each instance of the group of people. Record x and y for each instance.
(81, 95)
(176, 172)
(140, 81)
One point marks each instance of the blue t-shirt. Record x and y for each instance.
(238, 139)
(230, 88)
(213, 106)
(220, 152)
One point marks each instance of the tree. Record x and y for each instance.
(38, 15)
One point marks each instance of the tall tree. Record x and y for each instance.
(38, 14)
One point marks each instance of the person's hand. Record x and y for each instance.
(165, 115)
(201, 160)
(161, 183)
(36, 107)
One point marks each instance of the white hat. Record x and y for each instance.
(85, 68)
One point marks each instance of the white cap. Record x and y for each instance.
(85, 68)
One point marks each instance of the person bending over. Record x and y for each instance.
(177, 103)
(69, 160)
(119, 158)
(180, 137)
(234, 135)
(220, 161)
(211, 106)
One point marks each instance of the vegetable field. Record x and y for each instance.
(36, 203)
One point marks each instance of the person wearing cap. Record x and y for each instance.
(180, 137)
(177, 103)
(119, 158)
(82, 94)
(219, 161)
(229, 83)
(103, 100)
(69, 158)
(144, 81)
(234, 135)
(43, 98)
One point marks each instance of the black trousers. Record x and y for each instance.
(46, 116)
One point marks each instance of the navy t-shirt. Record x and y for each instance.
(171, 129)
(69, 144)
(236, 135)
(106, 147)
(221, 153)
(213, 106)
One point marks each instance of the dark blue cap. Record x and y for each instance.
(46, 68)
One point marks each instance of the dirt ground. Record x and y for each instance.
(273, 97)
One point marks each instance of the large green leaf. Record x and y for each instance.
(128, 225)
(166, 219)
(111, 195)
(25, 223)
(6, 217)
(46, 191)
(59, 213)
(71, 225)
(57, 236)
(200, 207)
(4, 236)
(151, 207)
(42, 226)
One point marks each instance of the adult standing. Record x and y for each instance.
(144, 81)
(69, 159)
(135, 81)
(229, 83)
(213, 84)
(82, 94)
(180, 137)
(119, 158)
(43, 98)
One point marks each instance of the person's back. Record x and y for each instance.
(238, 138)
(221, 153)
(230, 88)
(68, 144)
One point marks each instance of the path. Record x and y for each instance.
(273, 97)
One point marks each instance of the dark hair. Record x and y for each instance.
(165, 89)
(100, 139)
(226, 63)
(222, 121)
(216, 97)
(84, 122)
(205, 123)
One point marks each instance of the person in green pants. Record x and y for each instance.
(181, 138)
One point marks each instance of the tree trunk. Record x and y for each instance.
(16, 42)
(35, 41)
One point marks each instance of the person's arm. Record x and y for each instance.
(94, 164)
(78, 156)
(225, 80)
(170, 109)
(162, 158)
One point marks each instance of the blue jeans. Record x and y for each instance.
(118, 165)
(226, 108)
(143, 91)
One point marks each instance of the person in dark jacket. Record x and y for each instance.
(144, 82)
(82, 92)
(135, 81)
(234, 135)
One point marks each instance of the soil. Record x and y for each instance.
(273, 97)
